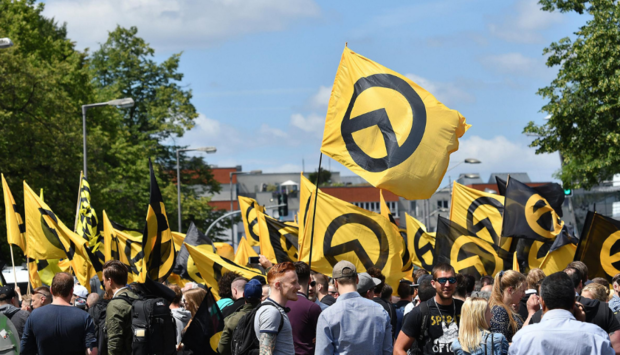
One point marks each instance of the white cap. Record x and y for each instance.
(80, 291)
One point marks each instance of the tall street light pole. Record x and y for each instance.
(207, 150)
(121, 103)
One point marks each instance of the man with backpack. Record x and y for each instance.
(252, 291)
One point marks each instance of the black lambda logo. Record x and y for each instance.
(485, 223)
(331, 252)
(395, 154)
(420, 252)
(251, 223)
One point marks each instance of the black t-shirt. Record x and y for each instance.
(596, 313)
(523, 307)
(443, 328)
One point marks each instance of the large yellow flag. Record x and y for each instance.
(278, 240)
(306, 204)
(87, 228)
(421, 244)
(244, 252)
(249, 208)
(124, 247)
(405, 253)
(211, 267)
(178, 239)
(15, 227)
(343, 231)
(225, 250)
(389, 130)
(41, 241)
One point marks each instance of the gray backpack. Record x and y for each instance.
(9, 338)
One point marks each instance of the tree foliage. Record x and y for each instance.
(584, 99)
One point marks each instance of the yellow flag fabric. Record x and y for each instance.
(344, 231)
(389, 130)
(244, 252)
(249, 208)
(88, 228)
(278, 240)
(405, 253)
(41, 241)
(178, 239)
(15, 227)
(479, 212)
(33, 274)
(306, 202)
(225, 250)
(558, 259)
(421, 244)
(124, 247)
(211, 267)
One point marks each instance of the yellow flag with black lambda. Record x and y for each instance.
(306, 192)
(405, 253)
(598, 246)
(157, 242)
(558, 259)
(421, 244)
(467, 253)
(343, 231)
(244, 252)
(41, 242)
(389, 130)
(249, 209)
(185, 266)
(278, 241)
(211, 267)
(87, 228)
(15, 227)
(124, 245)
(42, 272)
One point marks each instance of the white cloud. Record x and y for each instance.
(321, 98)
(447, 93)
(177, 24)
(516, 63)
(500, 155)
(311, 123)
(525, 23)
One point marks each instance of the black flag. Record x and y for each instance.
(184, 265)
(205, 330)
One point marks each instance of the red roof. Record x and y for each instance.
(359, 193)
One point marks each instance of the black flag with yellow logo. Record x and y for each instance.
(343, 231)
(278, 241)
(157, 241)
(467, 253)
(249, 214)
(599, 247)
(184, 265)
(124, 245)
(389, 130)
(205, 330)
(552, 192)
(421, 243)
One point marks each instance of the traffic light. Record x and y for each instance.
(568, 192)
(283, 200)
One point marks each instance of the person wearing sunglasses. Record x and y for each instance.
(434, 324)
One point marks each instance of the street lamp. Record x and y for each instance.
(5, 43)
(121, 103)
(466, 161)
(207, 150)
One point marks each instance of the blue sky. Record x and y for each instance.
(261, 70)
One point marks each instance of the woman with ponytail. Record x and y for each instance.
(474, 337)
(508, 289)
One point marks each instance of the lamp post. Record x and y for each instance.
(207, 150)
(121, 103)
(5, 43)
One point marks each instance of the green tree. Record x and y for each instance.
(324, 176)
(583, 100)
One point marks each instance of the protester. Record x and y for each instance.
(118, 311)
(486, 281)
(191, 301)
(464, 286)
(601, 281)
(417, 273)
(321, 289)
(332, 291)
(303, 314)
(252, 293)
(474, 337)
(508, 289)
(366, 286)
(387, 305)
(595, 291)
(266, 292)
(236, 288)
(560, 331)
(426, 291)
(284, 285)
(8, 307)
(405, 292)
(386, 295)
(92, 299)
(41, 296)
(225, 289)
(583, 271)
(80, 294)
(59, 328)
(534, 279)
(27, 303)
(434, 337)
(312, 293)
(181, 315)
(353, 325)
(614, 303)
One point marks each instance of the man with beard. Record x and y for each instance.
(434, 323)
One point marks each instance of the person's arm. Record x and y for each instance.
(267, 343)
(28, 345)
(388, 337)
(533, 305)
(115, 315)
(90, 338)
(403, 343)
(324, 340)
(614, 337)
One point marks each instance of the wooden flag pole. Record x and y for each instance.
(316, 197)
(13, 262)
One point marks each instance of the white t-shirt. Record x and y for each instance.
(268, 319)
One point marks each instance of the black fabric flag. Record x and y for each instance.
(599, 247)
(205, 330)
(184, 264)
(282, 244)
(552, 192)
(467, 253)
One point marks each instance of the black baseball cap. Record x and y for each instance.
(6, 293)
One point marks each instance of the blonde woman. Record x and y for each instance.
(474, 337)
(595, 291)
(508, 289)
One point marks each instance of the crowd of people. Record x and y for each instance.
(294, 310)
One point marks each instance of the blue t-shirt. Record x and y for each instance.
(58, 330)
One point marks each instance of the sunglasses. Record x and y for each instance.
(312, 283)
(332, 292)
(443, 280)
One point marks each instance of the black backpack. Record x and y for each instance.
(152, 325)
(244, 340)
(98, 313)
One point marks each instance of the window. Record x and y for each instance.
(442, 203)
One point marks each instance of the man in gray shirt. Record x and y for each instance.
(271, 324)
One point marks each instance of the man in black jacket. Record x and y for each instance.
(8, 307)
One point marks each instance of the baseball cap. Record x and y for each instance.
(344, 269)
(366, 282)
(80, 291)
(7, 292)
(253, 290)
(423, 278)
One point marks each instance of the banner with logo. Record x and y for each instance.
(211, 267)
(244, 252)
(87, 228)
(343, 231)
(249, 208)
(42, 243)
(389, 130)
(599, 246)
(184, 265)
(421, 244)
(157, 241)
(405, 253)
(278, 241)
(467, 253)
(306, 191)
(552, 192)
(15, 227)
(124, 245)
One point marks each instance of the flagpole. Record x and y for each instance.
(77, 208)
(13, 262)
(28, 268)
(316, 197)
